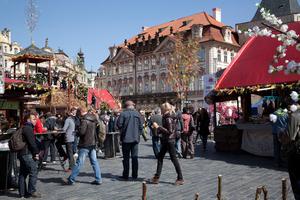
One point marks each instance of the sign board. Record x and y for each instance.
(209, 81)
(2, 74)
(9, 105)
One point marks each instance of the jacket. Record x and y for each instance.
(38, 128)
(157, 119)
(168, 128)
(69, 129)
(29, 139)
(87, 131)
(130, 124)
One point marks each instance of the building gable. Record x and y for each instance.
(166, 45)
(123, 54)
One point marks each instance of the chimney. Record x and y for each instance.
(113, 51)
(217, 14)
(144, 28)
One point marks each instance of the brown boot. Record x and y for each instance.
(154, 180)
(179, 182)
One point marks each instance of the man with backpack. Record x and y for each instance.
(187, 134)
(28, 156)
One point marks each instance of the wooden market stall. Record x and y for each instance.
(246, 75)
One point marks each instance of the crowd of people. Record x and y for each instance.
(85, 133)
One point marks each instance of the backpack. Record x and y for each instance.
(16, 142)
(186, 123)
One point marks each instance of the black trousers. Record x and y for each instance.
(170, 147)
(49, 144)
(133, 150)
(294, 172)
(68, 154)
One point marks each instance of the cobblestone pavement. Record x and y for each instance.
(242, 174)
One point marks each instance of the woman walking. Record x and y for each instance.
(168, 131)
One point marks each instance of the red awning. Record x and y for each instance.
(8, 80)
(250, 66)
(102, 96)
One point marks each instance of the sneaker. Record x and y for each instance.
(154, 180)
(179, 182)
(53, 162)
(66, 181)
(192, 156)
(44, 163)
(36, 195)
(96, 183)
(75, 156)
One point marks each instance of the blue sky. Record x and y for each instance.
(94, 25)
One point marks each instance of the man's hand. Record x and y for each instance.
(155, 125)
(36, 157)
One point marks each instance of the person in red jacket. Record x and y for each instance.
(38, 128)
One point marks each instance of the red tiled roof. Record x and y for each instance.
(177, 25)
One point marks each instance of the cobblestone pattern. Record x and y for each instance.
(242, 174)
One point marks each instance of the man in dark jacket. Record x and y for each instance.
(28, 157)
(130, 125)
(87, 146)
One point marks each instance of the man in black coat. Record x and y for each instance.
(28, 157)
(130, 125)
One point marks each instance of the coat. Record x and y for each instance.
(87, 131)
(130, 124)
(69, 129)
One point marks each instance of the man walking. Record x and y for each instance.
(28, 157)
(130, 125)
(87, 147)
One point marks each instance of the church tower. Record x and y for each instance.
(286, 10)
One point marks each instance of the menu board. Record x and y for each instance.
(2, 74)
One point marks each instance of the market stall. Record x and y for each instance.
(248, 74)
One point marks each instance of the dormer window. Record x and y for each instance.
(197, 31)
(227, 34)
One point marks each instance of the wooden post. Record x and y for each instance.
(219, 195)
(215, 115)
(284, 190)
(14, 70)
(49, 74)
(258, 192)
(265, 191)
(36, 68)
(144, 197)
(197, 196)
(27, 69)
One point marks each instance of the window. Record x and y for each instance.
(201, 83)
(162, 60)
(146, 64)
(225, 57)
(15, 50)
(231, 56)
(153, 86)
(192, 84)
(125, 68)
(5, 49)
(219, 56)
(153, 63)
(202, 54)
(139, 65)
(130, 89)
(130, 67)
(5, 63)
(162, 85)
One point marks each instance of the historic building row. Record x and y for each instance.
(137, 69)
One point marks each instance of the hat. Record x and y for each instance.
(129, 103)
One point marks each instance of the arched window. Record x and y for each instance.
(153, 83)
(202, 54)
(231, 56)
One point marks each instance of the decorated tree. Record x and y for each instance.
(275, 28)
(184, 66)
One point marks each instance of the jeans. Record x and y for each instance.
(27, 167)
(294, 173)
(75, 144)
(133, 149)
(83, 152)
(155, 145)
(170, 147)
(277, 147)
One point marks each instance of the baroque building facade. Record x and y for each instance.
(137, 69)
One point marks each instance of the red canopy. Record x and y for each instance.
(102, 96)
(250, 66)
(8, 80)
